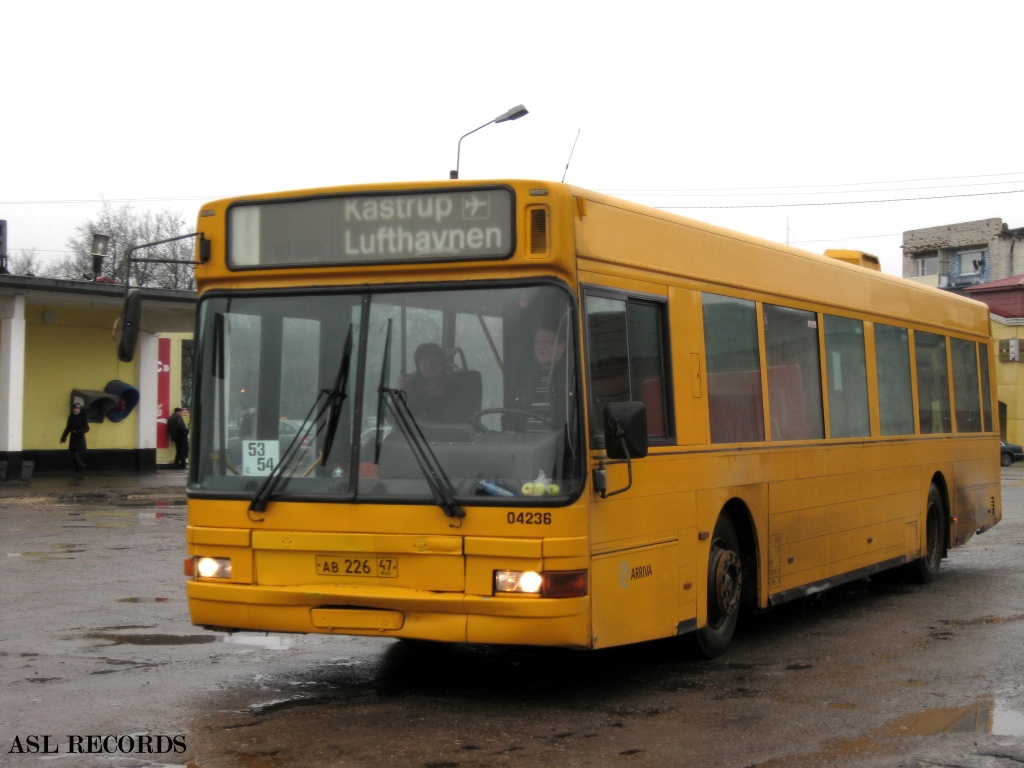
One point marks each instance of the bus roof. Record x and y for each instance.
(745, 264)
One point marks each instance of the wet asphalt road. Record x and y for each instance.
(95, 642)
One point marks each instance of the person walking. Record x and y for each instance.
(77, 426)
(177, 430)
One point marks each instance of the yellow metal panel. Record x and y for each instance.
(575, 546)
(228, 537)
(635, 594)
(824, 519)
(503, 547)
(356, 542)
(565, 631)
(355, 618)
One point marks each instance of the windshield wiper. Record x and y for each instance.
(327, 401)
(427, 461)
(378, 434)
(336, 397)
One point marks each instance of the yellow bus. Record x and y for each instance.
(520, 412)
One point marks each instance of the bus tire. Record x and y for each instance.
(724, 590)
(925, 570)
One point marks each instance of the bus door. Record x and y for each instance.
(635, 575)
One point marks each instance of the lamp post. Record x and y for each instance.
(98, 253)
(513, 114)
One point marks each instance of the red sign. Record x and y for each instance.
(163, 392)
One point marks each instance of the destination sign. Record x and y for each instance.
(438, 225)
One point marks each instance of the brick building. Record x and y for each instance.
(957, 256)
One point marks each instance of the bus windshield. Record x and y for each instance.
(464, 394)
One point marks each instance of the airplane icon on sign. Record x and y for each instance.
(476, 207)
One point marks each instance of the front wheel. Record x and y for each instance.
(725, 588)
(926, 569)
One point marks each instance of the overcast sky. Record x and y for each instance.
(781, 119)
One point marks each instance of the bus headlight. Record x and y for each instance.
(546, 584)
(213, 567)
(523, 582)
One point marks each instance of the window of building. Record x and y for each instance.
(926, 264)
(972, 262)
(735, 400)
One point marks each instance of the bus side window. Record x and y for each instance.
(734, 369)
(932, 383)
(895, 389)
(627, 359)
(794, 373)
(966, 394)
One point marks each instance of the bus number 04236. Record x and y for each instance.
(529, 518)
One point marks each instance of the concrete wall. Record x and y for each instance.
(1010, 379)
(69, 348)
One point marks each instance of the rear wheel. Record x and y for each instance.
(725, 587)
(1005, 459)
(926, 569)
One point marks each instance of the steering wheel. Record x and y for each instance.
(475, 419)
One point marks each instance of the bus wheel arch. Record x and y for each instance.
(731, 580)
(937, 524)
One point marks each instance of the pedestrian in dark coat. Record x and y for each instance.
(77, 426)
(177, 430)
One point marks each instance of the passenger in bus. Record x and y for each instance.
(542, 386)
(429, 391)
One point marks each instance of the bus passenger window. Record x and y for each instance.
(932, 383)
(986, 387)
(794, 373)
(965, 385)
(847, 377)
(895, 391)
(735, 400)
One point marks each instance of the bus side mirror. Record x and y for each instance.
(625, 430)
(128, 333)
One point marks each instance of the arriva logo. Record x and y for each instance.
(628, 573)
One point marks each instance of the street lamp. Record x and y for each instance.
(513, 114)
(98, 252)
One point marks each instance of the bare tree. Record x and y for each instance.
(128, 228)
(28, 263)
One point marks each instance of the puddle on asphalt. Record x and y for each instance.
(111, 518)
(145, 599)
(983, 620)
(164, 504)
(265, 640)
(989, 716)
(56, 552)
(153, 639)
